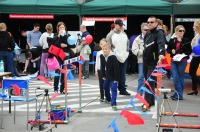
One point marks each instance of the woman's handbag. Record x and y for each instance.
(54, 50)
(52, 63)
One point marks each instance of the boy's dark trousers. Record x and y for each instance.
(101, 85)
(107, 85)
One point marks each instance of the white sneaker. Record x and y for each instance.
(83, 77)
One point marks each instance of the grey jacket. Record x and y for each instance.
(119, 43)
(84, 50)
(138, 47)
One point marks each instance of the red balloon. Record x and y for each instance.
(89, 39)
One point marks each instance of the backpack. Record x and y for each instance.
(11, 44)
(17, 50)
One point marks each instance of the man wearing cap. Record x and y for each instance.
(120, 42)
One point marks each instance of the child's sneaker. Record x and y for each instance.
(114, 107)
(106, 101)
(101, 100)
(83, 77)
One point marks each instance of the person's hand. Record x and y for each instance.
(161, 57)
(96, 73)
(173, 51)
(83, 43)
(32, 60)
(63, 45)
(24, 71)
(104, 78)
(159, 62)
(59, 33)
(115, 81)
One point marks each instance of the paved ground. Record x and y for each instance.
(96, 116)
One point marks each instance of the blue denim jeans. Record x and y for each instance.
(141, 76)
(178, 69)
(7, 58)
(122, 72)
(107, 85)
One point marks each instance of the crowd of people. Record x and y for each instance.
(149, 49)
(38, 55)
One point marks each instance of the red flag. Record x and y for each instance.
(44, 79)
(147, 83)
(54, 95)
(156, 74)
(74, 66)
(132, 119)
(62, 70)
(163, 65)
(16, 89)
(138, 96)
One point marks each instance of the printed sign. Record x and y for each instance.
(30, 16)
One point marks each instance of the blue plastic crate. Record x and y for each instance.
(21, 83)
(8, 90)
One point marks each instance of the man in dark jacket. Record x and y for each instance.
(7, 45)
(154, 51)
(33, 56)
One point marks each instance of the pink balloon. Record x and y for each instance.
(89, 39)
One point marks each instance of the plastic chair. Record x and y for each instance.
(94, 54)
(9, 91)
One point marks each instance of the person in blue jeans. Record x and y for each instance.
(179, 45)
(120, 46)
(110, 74)
(7, 45)
(137, 49)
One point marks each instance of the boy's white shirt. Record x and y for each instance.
(98, 60)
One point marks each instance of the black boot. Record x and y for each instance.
(15, 69)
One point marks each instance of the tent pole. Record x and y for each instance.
(80, 20)
(172, 24)
(19, 37)
(80, 16)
